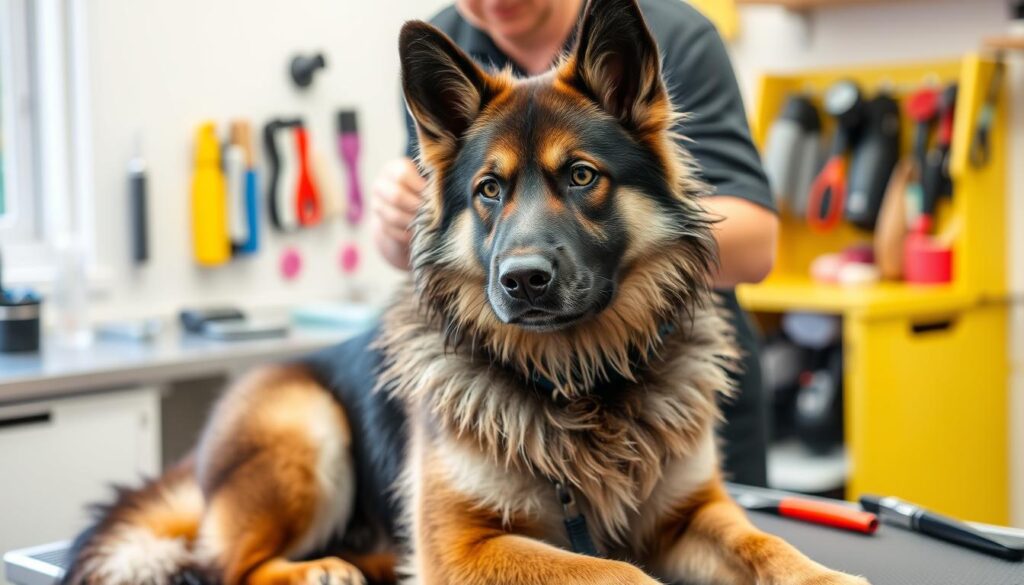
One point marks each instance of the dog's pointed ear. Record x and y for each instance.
(444, 89)
(616, 61)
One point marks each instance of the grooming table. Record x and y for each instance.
(890, 557)
(894, 556)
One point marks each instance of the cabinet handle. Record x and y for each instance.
(25, 420)
(931, 326)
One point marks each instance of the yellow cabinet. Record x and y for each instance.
(927, 410)
(926, 367)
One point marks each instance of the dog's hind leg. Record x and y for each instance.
(276, 466)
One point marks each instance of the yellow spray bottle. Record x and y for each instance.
(210, 238)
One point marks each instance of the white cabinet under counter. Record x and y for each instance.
(58, 456)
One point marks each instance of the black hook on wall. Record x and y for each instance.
(303, 67)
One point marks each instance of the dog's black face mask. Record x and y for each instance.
(541, 179)
(550, 189)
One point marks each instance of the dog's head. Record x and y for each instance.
(561, 225)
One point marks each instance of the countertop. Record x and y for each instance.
(173, 355)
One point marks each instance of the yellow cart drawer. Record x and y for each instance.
(927, 410)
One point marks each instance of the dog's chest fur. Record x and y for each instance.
(502, 443)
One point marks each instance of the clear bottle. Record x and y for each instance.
(70, 298)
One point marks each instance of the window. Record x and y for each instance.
(19, 215)
(44, 167)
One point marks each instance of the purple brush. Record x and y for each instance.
(348, 149)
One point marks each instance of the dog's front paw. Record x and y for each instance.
(832, 578)
(619, 573)
(325, 571)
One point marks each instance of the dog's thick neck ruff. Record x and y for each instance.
(612, 378)
(610, 446)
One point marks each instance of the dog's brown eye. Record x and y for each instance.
(582, 175)
(489, 189)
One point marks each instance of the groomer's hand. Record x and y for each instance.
(396, 193)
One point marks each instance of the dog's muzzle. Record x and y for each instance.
(527, 278)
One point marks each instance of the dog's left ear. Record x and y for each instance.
(616, 61)
(444, 88)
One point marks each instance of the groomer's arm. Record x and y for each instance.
(746, 240)
(702, 83)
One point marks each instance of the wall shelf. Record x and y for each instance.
(807, 4)
(1005, 42)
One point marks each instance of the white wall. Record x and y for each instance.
(773, 39)
(157, 69)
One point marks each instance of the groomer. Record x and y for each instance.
(529, 35)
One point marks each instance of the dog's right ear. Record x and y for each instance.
(616, 61)
(444, 89)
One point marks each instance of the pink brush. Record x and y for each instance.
(348, 149)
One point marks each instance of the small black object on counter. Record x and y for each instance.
(20, 313)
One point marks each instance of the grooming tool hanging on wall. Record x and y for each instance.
(308, 198)
(210, 239)
(850, 183)
(348, 150)
(935, 178)
(980, 140)
(793, 154)
(292, 191)
(138, 207)
(922, 108)
(282, 173)
(874, 157)
(243, 188)
(827, 198)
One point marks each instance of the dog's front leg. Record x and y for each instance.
(712, 541)
(459, 542)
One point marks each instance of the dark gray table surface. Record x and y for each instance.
(893, 556)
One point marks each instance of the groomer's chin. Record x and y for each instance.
(512, 19)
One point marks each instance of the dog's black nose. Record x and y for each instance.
(526, 277)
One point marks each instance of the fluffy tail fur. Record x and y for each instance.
(145, 536)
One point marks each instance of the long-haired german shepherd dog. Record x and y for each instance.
(547, 383)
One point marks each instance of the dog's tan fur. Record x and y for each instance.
(272, 478)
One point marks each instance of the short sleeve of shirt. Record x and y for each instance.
(702, 84)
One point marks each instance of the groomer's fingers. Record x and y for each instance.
(399, 184)
(395, 224)
(403, 170)
(397, 192)
(396, 200)
(394, 247)
(397, 231)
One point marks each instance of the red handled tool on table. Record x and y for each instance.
(809, 510)
(827, 198)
